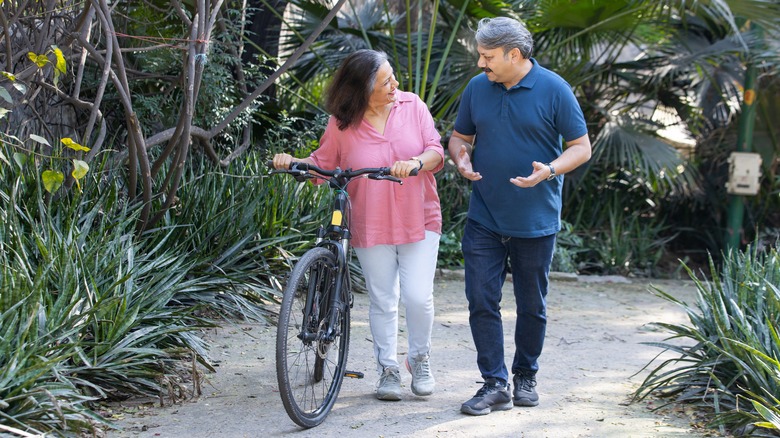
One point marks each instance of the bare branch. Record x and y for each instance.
(275, 75)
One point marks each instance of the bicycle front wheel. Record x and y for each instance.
(311, 357)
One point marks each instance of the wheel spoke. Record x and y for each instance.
(310, 372)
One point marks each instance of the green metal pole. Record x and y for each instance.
(747, 120)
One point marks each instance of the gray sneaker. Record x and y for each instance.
(422, 379)
(389, 386)
(493, 396)
(525, 390)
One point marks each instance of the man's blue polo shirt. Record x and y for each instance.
(512, 129)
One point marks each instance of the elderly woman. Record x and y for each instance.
(395, 228)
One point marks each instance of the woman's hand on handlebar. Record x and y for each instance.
(405, 168)
(282, 161)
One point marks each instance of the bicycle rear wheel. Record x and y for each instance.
(310, 370)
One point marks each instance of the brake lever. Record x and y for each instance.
(386, 177)
(300, 175)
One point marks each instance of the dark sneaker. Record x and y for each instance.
(389, 386)
(525, 390)
(493, 396)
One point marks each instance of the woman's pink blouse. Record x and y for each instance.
(384, 212)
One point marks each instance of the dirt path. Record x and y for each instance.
(592, 351)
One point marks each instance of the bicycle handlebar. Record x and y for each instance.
(300, 169)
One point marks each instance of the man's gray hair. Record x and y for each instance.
(506, 33)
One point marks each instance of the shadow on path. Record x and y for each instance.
(587, 373)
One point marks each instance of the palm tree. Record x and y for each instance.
(429, 44)
(639, 67)
(643, 67)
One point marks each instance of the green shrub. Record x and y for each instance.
(732, 367)
(567, 247)
(89, 310)
(454, 192)
(84, 313)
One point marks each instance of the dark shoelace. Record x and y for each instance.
(525, 383)
(486, 389)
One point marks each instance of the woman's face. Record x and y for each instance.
(384, 87)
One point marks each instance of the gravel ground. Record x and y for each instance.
(592, 362)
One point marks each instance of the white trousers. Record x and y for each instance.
(400, 272)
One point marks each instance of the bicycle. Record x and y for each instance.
(312, 338)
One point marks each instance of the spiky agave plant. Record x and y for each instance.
(85, 305)
(732, 368)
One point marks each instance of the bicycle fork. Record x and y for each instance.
(326, 298)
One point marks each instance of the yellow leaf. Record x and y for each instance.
(39, 60)
(67, 141)
(7, 75)
(52, 180)
(80, 169)
(61, 66)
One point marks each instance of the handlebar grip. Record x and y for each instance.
(414, 172)
(297, 164)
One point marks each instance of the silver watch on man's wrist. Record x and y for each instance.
(552, 171)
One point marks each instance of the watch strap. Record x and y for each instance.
(552, 171)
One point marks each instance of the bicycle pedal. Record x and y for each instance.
(353, 374)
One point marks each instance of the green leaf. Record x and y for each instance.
(39, 139)
(3, 112)
(772, 418)
(20, 159)
(52, 180)
(67, 141)
(6, 95)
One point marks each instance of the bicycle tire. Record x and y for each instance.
(310, 373)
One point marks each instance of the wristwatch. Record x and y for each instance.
(419, 161)
(552, 171)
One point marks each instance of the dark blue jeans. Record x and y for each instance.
(487, 255)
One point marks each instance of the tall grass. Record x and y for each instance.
(730, 365)
(240, 228)
(454, 192)
(91, 311)
(86, 310)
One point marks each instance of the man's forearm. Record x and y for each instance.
(454, 147)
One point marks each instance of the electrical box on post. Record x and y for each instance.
(744, 172)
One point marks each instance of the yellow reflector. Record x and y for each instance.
(336, 219)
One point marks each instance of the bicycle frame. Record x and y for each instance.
(335, 237)
(315, 308)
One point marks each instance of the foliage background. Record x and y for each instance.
(157, 219)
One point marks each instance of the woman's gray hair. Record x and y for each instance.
(506, 33)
